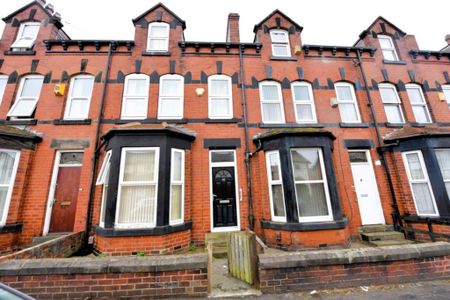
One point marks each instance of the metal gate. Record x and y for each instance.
(242, 256)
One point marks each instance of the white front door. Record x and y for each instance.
(366, 188)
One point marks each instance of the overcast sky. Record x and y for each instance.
(325, 22)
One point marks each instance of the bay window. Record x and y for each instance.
(135, 97)
(158, 37)
(220, 99)
(271, 102)
(3, 82)
(443, 157)
(171, 97)
(348, 107)
(276, 193)
(280, 43)
(9, 161)
(177, 187)
(302, 94)
(27, 96)
(26, 37)
(391, 102)
(418, 103)
(79, 100)
(103, 179)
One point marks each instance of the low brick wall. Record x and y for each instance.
(64, 246)
(173, 276)
(302, 271)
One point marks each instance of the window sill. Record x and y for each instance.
(415, 124)
(156, 231)
(394, 62)
(233, 120)
(353, 125)
(394, 125)
(11, 228)
(28, 52)
(288, 58)
(162, 53)
(339, 224)
(72, 122)
(21, 122)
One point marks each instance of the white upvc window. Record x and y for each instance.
(138, 188)
(9, 162)
(443, 157)
(419, 183)
(311, 188)
(135, 97)
(391, 102)
(3, 82)
(305, 111)
(103, 179)
(27, 97)
(280, 43)
(171, 97)
(158, 37)
(220, 98)
(388, 48)
(177, 187)
(348, 106)
(271, 102)
(26, 37)
(445, 90)
(276, 193)
(80, 94)
(418, 103)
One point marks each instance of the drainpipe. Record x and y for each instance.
(396, 212)
(97, 149)
(251, 218)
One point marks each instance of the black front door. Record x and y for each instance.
(224, 197)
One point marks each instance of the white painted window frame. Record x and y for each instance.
(285, 43)
(324, 181)
(19, 98)
(220, 97)
(71, 98)
(273, 182)
(137, 183)
(310, 102)
(162, 97)
(103, 179)
(269, 101)
(396, 102)
(423, 104)
(174, 182)
(15, 46)
(425, 180)
(9, 185)
(165, 38)
(128, 98)
(445, 90)
(3, 84)
(392, 49)
(348, 101)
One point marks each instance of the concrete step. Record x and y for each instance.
(391, 242)
(219, 241)
(382, 236)
(375, 228)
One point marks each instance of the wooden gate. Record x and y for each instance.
(242, 256)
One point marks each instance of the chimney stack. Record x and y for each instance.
(447, 39)
(233, 28)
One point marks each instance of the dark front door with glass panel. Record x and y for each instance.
(224, 197)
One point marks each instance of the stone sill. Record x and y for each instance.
(339, 224)
(394, 62)
(162, 53)
(11, 228)
(104, 265)
(20, 53)
(353, 256)
(72, 122)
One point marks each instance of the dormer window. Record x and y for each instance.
(158, 37)
(280, 43)
(26, 37)
(388, 48)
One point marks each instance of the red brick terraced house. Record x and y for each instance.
(149, 144)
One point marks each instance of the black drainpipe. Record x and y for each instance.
(251, 218)
(396, 212)
(87, 246)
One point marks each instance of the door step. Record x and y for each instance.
(375, 228)
(382, 235)
(219, 242)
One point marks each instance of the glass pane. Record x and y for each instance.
(139, 165)
(135, 107)
(219, 87)
(137, 204)
(225, 156)
(304, 112)
(311, 200)
(158, 44)
(393, 113)
(137, 87)
(3, 194)
(70, 158)
(171, 107)
(272, 112)
(385, 43)
(79, 108)
(82, 87)
(104, 197)
(443, 157)
(301, 93)
(423, 198)
(270, 92)
(306, 164)
(348, 112)
(389, 55)
(30, 32)
(158, 31)
(177, 166)
(277, 197)
(357, 157)
(274, 167)
(415, 96)
(220, 107)
(3, 81)
(445, 90)
(388, 94)
(415, 168)
(171, 87)
(32, 87)
(278, 36)
(6, 166)
(280, 50)
(344, 93)
(447, 187)
(24, 107)
(175, 209)
(420, 113)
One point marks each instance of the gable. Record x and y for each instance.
(280, 20)
(33, 7)
(156, 14)
(382, 26)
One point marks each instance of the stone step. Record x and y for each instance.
(382, 236)
(219, 242)
(391, 242)
(375, 228)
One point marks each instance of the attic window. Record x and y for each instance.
(280, 43)
(158, 37)
(388, 48)
(26, 37)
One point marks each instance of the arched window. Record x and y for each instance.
(391, 102)
(135, 97)
(158, 37)
(79, 99)
(171, 97)
(280, 43)
(418, 103)
(271, 102)
(27, 96)
(220, 104)
(348, 107)
(305, 111)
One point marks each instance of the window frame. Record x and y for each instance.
(229, 97)
(392, 49)
(423, 104)
(166, 38)
(436, 150)
(174, 182)
(103, 179)
(353, 101)
(272, 182)
(396, 103)
(71, 98)
(280, 101)
(425, 180)
(20, 33)
(324, 181)
(445, 87)
(286, 43)
(154, 182)
(19, 98)
(180, 96)
(10, 185)
(3, 78)
(130, 97)
(310, 102)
